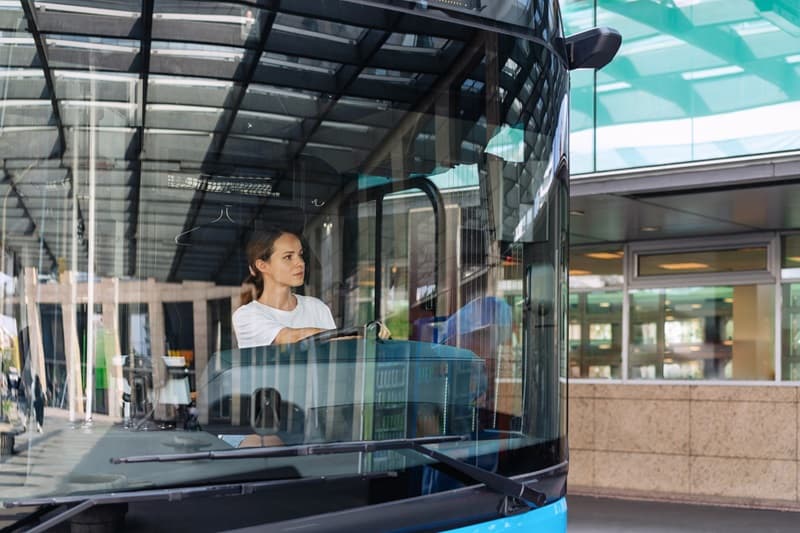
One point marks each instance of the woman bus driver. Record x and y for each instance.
(277, 315)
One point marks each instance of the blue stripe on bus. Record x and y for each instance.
(548, 519)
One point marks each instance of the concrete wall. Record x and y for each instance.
(728, 444)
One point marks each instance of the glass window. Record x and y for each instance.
(791, 251)
(702, 333)
(790, 256)
(790, 365)
(595, 268)
(673, 94)
(434, 207)
(53, 344)
(595, 318)
(595, 334)
(707, 261)
(134, 329)
(790, 269)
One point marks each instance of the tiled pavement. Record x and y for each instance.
(42, 461)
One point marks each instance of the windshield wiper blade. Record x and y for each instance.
(288, 451)
(506, 486)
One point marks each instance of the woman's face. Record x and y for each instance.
(286, 265)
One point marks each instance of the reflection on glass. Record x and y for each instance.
(508, 144)
(595, 334)
(595, 269)
(790, 256)
(702, 333)
(791, 332)
(672, 95)
(737, 260)
(320, 29)
(426, 206)
(134, 329)
(790, 247)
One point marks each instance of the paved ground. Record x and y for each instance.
(601, 515)
(43, 460)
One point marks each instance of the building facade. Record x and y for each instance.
(685, 253)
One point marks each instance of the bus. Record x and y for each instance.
(418, 148)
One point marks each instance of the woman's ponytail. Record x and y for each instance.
(258, 282)
(249, 293)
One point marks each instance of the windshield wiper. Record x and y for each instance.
(513, 490)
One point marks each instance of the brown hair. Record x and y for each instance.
(260, 246)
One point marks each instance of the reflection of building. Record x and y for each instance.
(134, 317)
(684, 302)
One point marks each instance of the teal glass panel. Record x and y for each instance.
(578, 15)
(581, 119)
(694, 80)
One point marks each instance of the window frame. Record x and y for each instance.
(769, 275)
(788, 274)
(773, 275)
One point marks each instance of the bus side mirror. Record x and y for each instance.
(593, 48)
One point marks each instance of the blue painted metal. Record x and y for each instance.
(548, 519)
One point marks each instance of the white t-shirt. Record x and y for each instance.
(257, 324)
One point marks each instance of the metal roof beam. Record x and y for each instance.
(146, 32)
(41, 51)
(21, 204)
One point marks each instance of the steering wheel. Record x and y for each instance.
(331, 334)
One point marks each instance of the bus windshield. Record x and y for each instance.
(418, 166)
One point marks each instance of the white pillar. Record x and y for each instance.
(155, 312)
(114, 364)
(90, 332)
(36, 348)
(72, 347)
(201, 348)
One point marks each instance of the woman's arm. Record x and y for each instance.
(290, 335)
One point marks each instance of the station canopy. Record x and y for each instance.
(202, 111)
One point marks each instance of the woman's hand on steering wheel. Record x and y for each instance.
(332, 334)
(347, 333)
(383, 331)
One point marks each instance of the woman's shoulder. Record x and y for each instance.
(310, 301)
(246, 309)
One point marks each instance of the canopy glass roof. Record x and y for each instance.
(184, 112)
(693, 80)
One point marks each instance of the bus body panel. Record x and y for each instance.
(551, 518)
